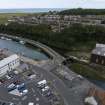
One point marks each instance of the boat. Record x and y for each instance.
(8, 39)
(2, 37)
(22, 42)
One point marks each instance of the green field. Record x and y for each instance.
(5, 16)
(87, 71)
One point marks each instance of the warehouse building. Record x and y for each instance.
(98, 54)
(8, 64)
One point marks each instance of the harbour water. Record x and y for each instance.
(16, 47)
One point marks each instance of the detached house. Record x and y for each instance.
(98, 54)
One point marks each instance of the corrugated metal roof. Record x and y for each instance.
(7, 60)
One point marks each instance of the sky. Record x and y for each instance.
(52, 4)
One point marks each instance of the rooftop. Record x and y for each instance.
(8, 60)
(99, 50)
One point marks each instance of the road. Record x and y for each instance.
(71, 96)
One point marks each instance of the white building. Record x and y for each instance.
(8, 64)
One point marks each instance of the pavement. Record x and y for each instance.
(71, 96)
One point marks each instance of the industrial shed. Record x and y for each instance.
(8, 64)
(98, 54)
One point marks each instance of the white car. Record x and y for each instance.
(32, 76)
(24, 92)
(31, 103)
(8, 77)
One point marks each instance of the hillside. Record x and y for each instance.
(81, 11)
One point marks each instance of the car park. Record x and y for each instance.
(17, 87)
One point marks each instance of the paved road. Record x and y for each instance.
(71, 96)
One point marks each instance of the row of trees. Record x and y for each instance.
(76, 37)
(81, 11)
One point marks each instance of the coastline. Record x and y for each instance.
(30, 10)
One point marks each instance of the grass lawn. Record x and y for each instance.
(5, 16)
(87, 71)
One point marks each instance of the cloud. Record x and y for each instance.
(52, 3)
(100, 0)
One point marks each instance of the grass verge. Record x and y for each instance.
(87, 71)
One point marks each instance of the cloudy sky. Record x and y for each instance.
(52, 3)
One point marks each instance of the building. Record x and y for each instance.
(98, 54)
(8, 64)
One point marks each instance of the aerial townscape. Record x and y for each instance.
(52, 56)
(57, 21)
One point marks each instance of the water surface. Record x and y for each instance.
(16, 47)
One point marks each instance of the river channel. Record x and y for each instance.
(19, 48)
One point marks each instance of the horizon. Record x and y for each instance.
(53, 8)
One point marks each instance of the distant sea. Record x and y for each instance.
(30, 10)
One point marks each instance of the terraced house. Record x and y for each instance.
(8, 64)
